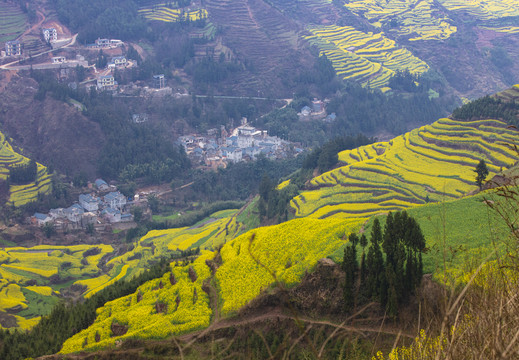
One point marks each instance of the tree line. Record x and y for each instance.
(489, 107)
(23, 173)
(392, 268)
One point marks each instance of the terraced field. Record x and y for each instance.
(12, 22)
(176, 303)
(368, 58)
(415, 19)
(430, 164)
(483, 9)
(22, 194)
(209, 234)
(259, 36)
(162, 307)
(161, 12)
(503, 29)
(26, 292)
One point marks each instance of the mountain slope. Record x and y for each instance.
(433, 163)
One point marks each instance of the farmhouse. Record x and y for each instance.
(118, 62)
(111, 215)
(13, 48)
(115, 200)
(101, 185)
(74, 213)
(50, 34)
(88, 202)
(58, 59)
(305, 111)
(41, 219)
(159, 81)
(106, 82)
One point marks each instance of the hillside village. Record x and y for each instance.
(244, 143)
(102, 206)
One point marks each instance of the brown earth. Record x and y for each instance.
(51, 132)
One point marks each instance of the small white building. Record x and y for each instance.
(88, 202)
(13, 48)
(118, 62)
(106, 82)
(58, 59)
(41, 219)
(115, 200)
(50, 34)
(111, 215)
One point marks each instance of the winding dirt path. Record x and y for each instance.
(278, 315)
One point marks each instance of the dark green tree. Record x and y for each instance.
(481, 173)
(375, 262)
(350, 267)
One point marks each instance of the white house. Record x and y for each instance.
(41, 219)
(233, 154)
(74, 213)
(118, 62)
(112, 215)
(106, 82)
(115, 200)
(13, 48)
(50, 34)
(88, 202)
(58, 59)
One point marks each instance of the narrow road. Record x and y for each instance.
(72, 42)
(240, 97)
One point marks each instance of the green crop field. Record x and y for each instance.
(463, 230)
(431, 164)
(12, 21)
(368, 58)
(415, 19)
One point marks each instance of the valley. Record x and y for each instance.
(299, 179)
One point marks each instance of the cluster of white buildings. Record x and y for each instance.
(104, 205)
(245, 143)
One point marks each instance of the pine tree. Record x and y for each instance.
(375, 262)
(350, 268)
(363, 243)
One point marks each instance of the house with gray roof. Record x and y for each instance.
(74, 213)
(112, 215)
(89, 202)
(115, 200)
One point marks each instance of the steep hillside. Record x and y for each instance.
(262, 38)
(55, 133)
(187, 299)
(433, 163)
(13, 21)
